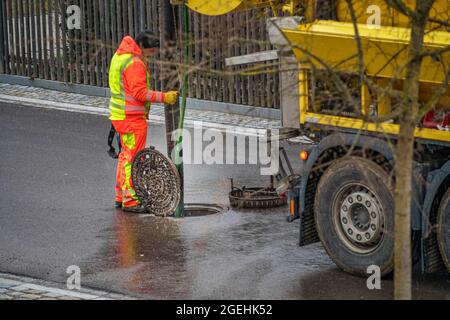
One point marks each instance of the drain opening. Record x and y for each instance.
(201, 209)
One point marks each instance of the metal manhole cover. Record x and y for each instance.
(156, 181)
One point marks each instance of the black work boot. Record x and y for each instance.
(135, 209)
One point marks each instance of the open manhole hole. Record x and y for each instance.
(158, 186)
(201, 209)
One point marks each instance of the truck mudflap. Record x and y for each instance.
(436, 246)
(443, 229)
(432, 258)
(308, 232)
(301, 202)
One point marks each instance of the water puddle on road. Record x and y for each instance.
(234, 254)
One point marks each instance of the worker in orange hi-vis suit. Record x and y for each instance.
(129, 81)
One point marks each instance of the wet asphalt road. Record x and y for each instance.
(56, 195)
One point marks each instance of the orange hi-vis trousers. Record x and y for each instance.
(133, 136)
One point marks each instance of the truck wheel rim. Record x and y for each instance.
(358, 218)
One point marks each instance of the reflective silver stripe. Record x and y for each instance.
(127, 108)
(158, 96)
(135, 108)
(125, 97)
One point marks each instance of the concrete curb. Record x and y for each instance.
(38, 103)
(195, 104)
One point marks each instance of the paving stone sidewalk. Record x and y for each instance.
(23, 288)
(48, 98)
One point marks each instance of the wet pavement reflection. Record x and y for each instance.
(244, 255)
(62, 215)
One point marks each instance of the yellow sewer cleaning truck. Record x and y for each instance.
(344, 197)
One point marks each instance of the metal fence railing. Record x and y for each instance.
(37, 42)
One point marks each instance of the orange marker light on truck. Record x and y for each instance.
(304, 155)
(292, 207)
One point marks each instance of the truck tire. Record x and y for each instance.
(443, 230)
(354, 214)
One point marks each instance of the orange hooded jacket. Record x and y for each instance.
(132, 81)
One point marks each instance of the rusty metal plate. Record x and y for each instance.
(156, 181)
(255, 198)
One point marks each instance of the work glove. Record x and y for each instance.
(170, 97)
